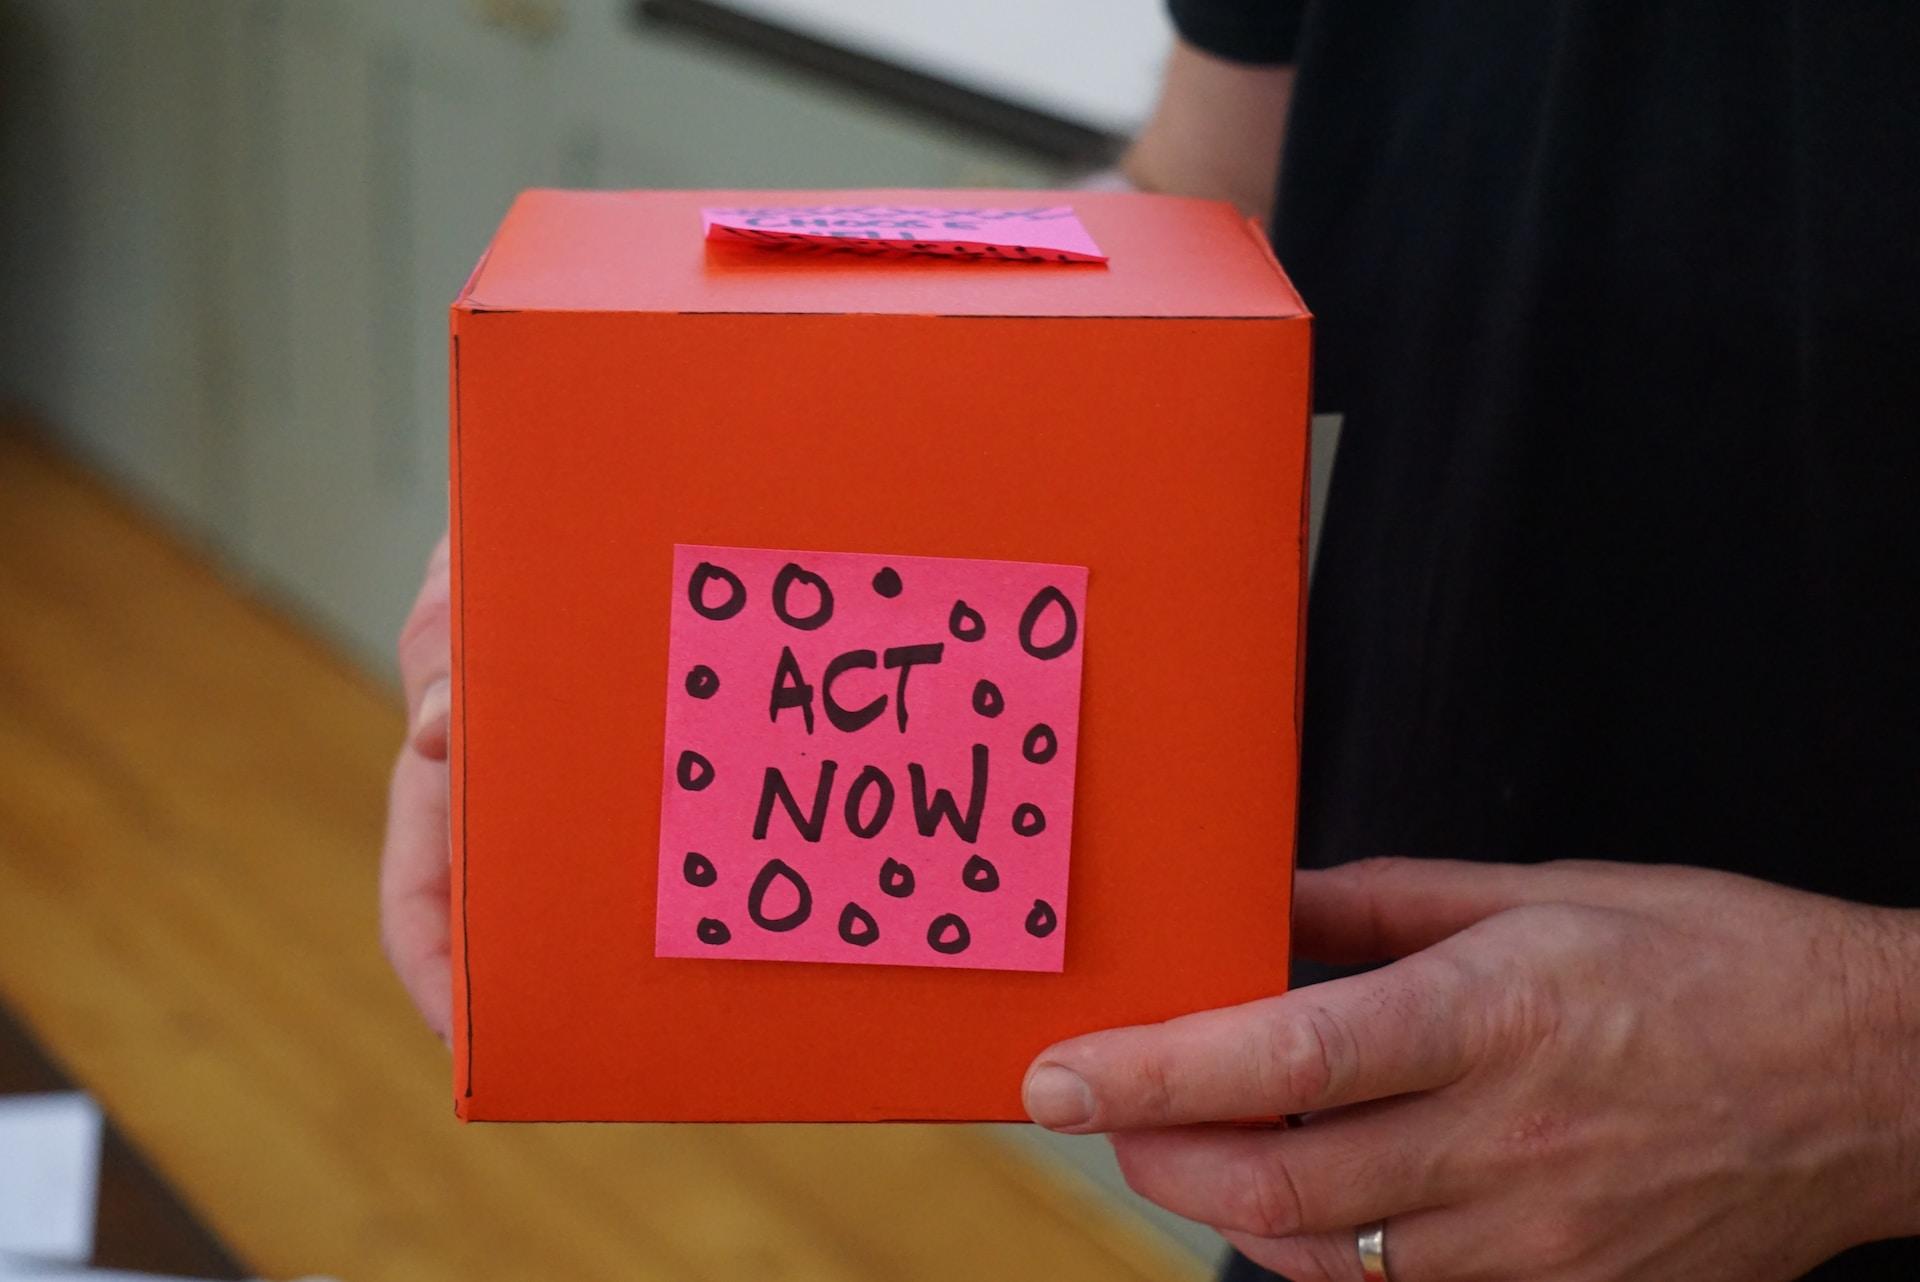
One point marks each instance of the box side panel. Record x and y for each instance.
(1301, 423)
(457, 734)
(1167, 456)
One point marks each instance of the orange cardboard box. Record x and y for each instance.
(628, 400)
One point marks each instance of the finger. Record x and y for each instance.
(1420, 1248)
(1378, 909)
(1348, 1167)
(425, 658)
(1319, 1257)
(1406, 1027)
(415, 888)
(431, 720)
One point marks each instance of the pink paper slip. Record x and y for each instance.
(1052, 234)
(869, 759)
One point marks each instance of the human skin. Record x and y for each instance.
(1591, 1071)
(415, 864)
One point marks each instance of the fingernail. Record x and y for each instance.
(432, 709)
(1057, 1097)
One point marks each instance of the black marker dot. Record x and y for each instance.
(783, 582)
(948, 934)
(1029, 820)
(1030, 619)
(702, 682)
(965, 622)
(699, 870)
(980, 874)
(712, 930)
(887, 582)
(1039, 745)
(694, 771)
(706, 572)
(1041, 921)
(857, 926)
(987, 700)
(757, 896)
(896, 879)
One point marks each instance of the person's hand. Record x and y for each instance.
(414, 866)
(1577, 1071)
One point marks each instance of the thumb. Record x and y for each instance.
(425, 660)
(1375, 910)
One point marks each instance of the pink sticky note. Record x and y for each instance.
(1049, 234)
(869, 759)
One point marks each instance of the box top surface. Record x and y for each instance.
(643, 251)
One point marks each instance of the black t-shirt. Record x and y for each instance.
(1621, 302)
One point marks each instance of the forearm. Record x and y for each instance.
(1885, 1002)
(1215, 132)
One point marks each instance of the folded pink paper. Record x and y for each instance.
(1049, 234)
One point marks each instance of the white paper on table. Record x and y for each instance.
(49, 1175)
(20, 1269)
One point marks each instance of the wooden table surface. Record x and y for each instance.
(139, 1223)
(190, 808)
